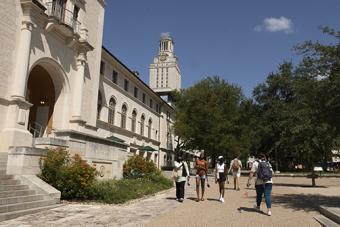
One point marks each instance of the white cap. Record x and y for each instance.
(220, 157)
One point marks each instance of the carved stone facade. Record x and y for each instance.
(60, 88)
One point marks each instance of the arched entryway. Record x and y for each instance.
(41, 93)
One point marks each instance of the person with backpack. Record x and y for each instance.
(180, 174)
(236, 167)
(221, 176)
(263, 183)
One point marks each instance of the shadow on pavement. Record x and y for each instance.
(192, 198)
(247, 209)
(171, 198)
(298, 185)
(305, 202)
(211, 199)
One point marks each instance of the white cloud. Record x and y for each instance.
(272, 24)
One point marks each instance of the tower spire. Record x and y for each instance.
(165, 75)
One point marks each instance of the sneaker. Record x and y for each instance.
(257, 208)
(222, 200)
(269, 213)
(181, 200)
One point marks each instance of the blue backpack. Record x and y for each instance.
(264, 171)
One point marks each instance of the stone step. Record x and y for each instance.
(6, 177)
(13, 187)
(15, 214)
(9, 182)
(5, 194)
(332, 213)
(326, 222)
(20, 199)
(25, 205)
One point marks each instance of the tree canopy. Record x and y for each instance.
(208, 117)
(293, 116)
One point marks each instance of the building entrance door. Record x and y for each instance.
(41, 93)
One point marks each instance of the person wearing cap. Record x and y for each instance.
(182, 174)
(221, 176)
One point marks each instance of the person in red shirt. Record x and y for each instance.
(201, 174)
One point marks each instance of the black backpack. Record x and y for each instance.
(264, 171)
(184, 171)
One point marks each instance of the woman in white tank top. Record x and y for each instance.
(221, 176)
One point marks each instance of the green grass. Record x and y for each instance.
(120, 191)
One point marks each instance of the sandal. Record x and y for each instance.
(202, 199)
(197, 200)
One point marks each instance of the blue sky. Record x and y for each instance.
(241, 41)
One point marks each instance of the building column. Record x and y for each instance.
(79, 87)
(22, 60)
(78, 83)
(15, 132)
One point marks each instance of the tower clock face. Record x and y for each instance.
(162, 57)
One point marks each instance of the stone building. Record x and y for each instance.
(60, 88)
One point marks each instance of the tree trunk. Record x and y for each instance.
(313, 178)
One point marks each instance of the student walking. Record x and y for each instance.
(263, 183)
(201, 174)
(221, 176)
(236, 167)
(181, 174)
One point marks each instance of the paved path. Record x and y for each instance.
(291, 207)
(136, 213)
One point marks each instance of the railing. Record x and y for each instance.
(36, 129)
(63, 15)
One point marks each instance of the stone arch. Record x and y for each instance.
(51, 99)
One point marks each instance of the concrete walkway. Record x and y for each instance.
(293, 205)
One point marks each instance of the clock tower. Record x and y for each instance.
(165, 75)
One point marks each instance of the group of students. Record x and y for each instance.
(261, 169)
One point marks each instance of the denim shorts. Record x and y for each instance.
(201, 177)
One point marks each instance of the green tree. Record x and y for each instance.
(296, 109)
(208, 118)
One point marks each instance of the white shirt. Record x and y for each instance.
(179, 168)
(220, 168)
(255, 168)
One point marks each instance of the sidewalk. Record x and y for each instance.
(213, 213)
(293, 205)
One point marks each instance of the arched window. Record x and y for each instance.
(123, 119)
(142, 120)
(99, 104)
(149, 128)
(133, 121)
(112, 107)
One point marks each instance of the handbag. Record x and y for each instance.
(174, 173)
